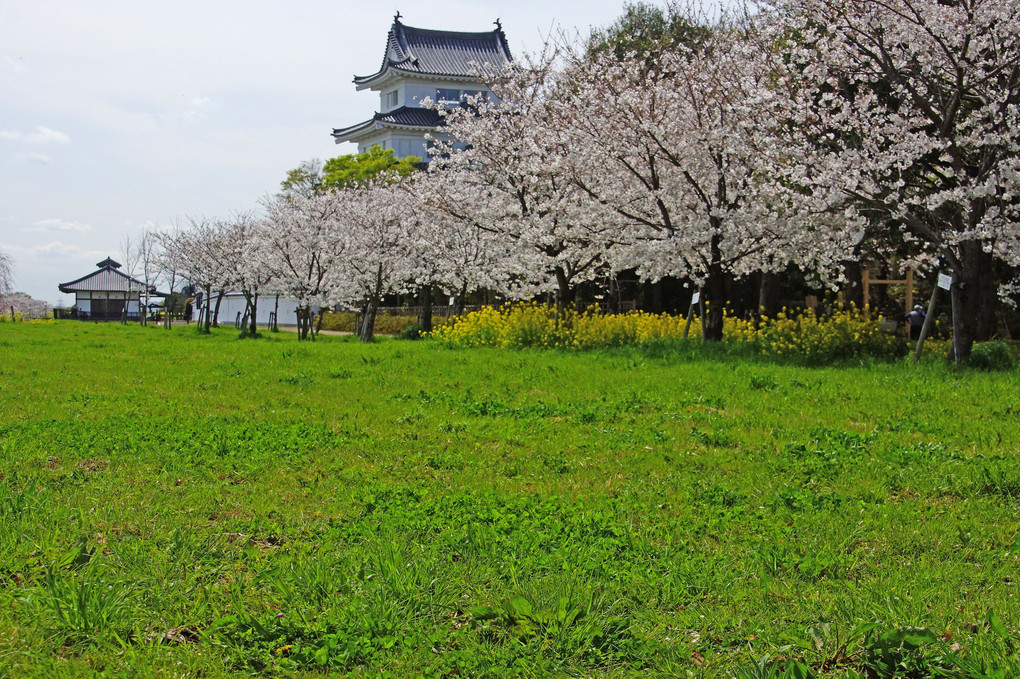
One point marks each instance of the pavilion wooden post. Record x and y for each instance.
(866, 285)
(866, 282)
(910, 288)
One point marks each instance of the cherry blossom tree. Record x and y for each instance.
(673, 156)
(908, 114)
(504, 173)
(456, 255)
(6, 274)
(239, 246)
(199, 253)
(376, 226)
(23, 305)
(302, 248)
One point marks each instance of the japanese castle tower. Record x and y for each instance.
(422, 63)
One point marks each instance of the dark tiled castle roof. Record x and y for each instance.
(404, 116)
(421, 51)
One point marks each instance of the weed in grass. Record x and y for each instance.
(84, 610)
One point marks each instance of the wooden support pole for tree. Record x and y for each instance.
(953, 287)
(926, 327)
(690, 312)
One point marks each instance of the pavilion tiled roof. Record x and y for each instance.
(405, 116)
(420, 51)
(106, 279)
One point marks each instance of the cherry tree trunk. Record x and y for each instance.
(216, 312)
(615, 301)
(425, 317)
(371, 308)
(367, 332)
(975, 297)
(458, 301)
(208, 307)
(713, 296)
(565, 294)
(714, 300)
(254, 315)
(249, 327)
(853, 291)
(769, 289)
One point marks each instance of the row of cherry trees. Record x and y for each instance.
(348, 247)
(796, 136)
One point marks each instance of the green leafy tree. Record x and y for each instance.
(357, 169)
(305, 180)
(312, 177)
(646, 30)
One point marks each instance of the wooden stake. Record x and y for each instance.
(690, 313)
(927, 321)
(956, 327)
(866, 284)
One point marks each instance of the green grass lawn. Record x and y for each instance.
(179, 504)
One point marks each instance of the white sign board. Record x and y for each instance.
(696, 298)
(945, 281)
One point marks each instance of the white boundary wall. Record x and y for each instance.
(233, 304)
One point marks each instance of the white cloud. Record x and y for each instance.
(59, 225)
(197, 109)
(15, 64)
(32, 157)
(50, 250)
(42, 135)
(54, 249)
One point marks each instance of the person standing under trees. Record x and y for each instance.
(916, 319)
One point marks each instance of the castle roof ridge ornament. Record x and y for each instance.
(418, 52)
(108, 263)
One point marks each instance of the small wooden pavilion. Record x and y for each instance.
(107, 294)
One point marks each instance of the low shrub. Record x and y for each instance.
(801, 336)
(411, 332)
(535, 325)
(385, 323)
(992, 356)
(817, 339)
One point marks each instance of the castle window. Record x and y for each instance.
(447, 96)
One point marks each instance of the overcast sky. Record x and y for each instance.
(121, 115)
